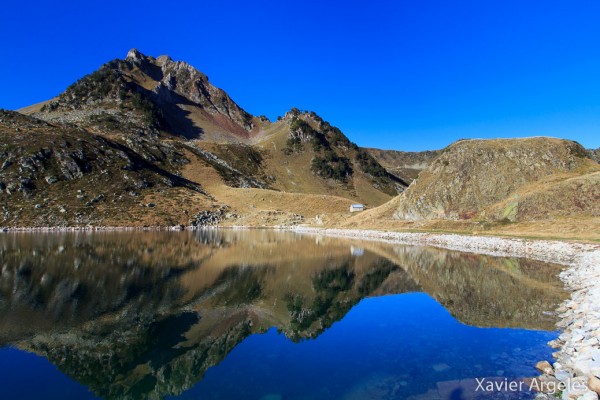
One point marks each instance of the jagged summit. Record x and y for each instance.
(165, 62)
(150, 95)
(134, 55)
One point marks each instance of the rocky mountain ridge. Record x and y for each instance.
(195, 150)
(143, 94)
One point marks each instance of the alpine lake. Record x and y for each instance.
(265, 315)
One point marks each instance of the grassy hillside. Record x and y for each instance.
(537, 187)
(305, 154)
(55, 175)
(472, 176)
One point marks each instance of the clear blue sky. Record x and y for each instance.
(408, 75)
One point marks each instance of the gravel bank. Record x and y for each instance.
(577, 361)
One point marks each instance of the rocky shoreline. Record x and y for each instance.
(576, 371)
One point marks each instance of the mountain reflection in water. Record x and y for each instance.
(145, 315)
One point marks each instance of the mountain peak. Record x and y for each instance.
(143, 93)
(134, 55)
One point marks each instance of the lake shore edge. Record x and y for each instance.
(577, 360)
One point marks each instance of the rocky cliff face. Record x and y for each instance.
(472, 176)
(178, 78)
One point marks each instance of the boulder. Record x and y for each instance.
(594, 384)
(544, 367)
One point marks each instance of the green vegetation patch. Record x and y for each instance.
(332, 166)
(369, 165)
(372, 280)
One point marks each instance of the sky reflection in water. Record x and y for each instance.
(262, 315)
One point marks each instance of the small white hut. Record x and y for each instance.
(357, 207)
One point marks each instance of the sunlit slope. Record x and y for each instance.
(167, 111)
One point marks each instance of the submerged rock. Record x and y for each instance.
(544, 367)
(440, 367)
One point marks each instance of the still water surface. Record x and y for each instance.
(263, 315)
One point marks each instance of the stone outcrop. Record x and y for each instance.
(594, 154)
